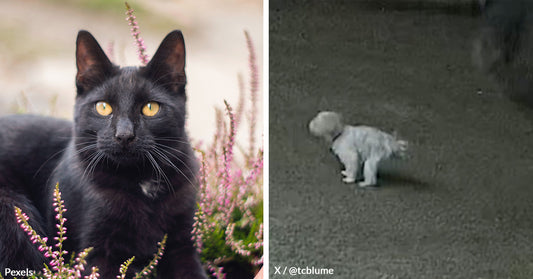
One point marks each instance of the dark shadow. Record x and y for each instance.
(452, 7)
(467, 7)
(503, 48)
(387, 179)
(394, 178)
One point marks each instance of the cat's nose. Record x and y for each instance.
(124, 138)
(124, 133)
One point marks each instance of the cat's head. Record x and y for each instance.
(130, 114)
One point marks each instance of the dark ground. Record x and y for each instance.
(460, 207)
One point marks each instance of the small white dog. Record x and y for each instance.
(356, 146)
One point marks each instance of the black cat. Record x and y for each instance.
(125, 167)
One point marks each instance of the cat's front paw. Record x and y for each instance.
(344, 173)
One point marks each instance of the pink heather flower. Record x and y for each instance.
(139, 42)
(57, 261)
(157, 256)
(240, 104)
(231, 137)
(254, 88)
(94, 274)
(227, 187)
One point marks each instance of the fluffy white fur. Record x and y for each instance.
(356, 146)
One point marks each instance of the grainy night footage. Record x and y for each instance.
(458, 206)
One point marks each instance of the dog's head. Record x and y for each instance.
(326, 124)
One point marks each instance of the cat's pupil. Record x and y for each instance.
(103, 108)
(150, 109)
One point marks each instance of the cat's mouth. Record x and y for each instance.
(125, 155)
(120, 153)
(125, 152)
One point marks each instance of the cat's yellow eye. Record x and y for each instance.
(103, 108)
(150, 109)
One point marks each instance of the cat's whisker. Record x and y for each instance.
(159, 170)
(47, 160)
(86, 148)
(162, 146)
(157, 176)
(171, 164)
(176, 157)
(101, 155)
(83, 143)
(174, 140)
(89, 148)
(88, 137)
(92, 137)
(93, 159)
(56, 154)
(87, 162)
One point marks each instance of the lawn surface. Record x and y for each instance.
(459, 207)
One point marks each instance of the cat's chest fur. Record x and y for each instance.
(141, 180)
(150, 187)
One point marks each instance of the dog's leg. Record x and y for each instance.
(351, 164)
(357, 175)
(370, 172)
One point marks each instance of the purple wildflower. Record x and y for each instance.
(254, 89)
(139, 41)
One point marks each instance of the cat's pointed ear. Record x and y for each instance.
(167, 67)
(93, 65)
